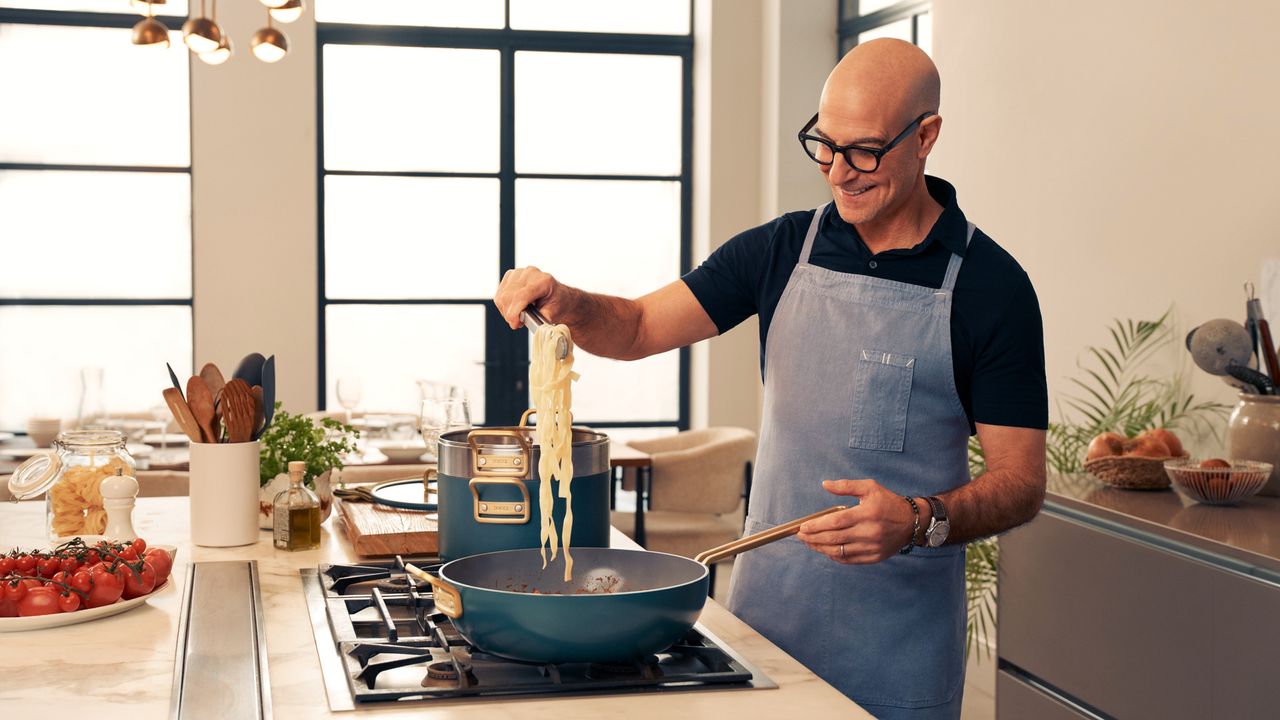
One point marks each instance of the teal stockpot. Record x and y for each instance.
(621, 605)
(489, 486)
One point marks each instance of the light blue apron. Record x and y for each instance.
(859, 383)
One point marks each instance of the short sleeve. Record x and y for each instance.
(1008, 383)
(728, 283)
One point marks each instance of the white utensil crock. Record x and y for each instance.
(224, 494)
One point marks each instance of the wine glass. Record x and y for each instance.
(440, 416)
(161, 414)
(350, 389)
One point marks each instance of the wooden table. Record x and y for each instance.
(621, 456)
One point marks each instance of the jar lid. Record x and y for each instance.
(35, 475)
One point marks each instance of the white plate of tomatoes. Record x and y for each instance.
(79, 581)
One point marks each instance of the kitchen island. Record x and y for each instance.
(122, 666)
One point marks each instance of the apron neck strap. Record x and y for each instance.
(953, 267)
(813, 232)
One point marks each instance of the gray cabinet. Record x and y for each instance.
(1018, 700)
(1134, 629)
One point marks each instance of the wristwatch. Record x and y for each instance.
(936, 534)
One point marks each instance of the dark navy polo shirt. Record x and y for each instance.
(997, 337)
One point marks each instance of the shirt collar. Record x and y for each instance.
(951, 229)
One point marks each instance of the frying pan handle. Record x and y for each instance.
(448, 601)
(750, 542)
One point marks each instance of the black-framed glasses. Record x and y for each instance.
(859, 157)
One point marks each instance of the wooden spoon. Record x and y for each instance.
(200, 400)
(182, 413)
(213, 378)
(238, 413)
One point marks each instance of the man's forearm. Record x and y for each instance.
(993, 502)
(602, 325)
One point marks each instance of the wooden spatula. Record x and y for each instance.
(182, 413)
(200, 400)
(236, 403)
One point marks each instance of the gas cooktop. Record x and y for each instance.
(381, 639)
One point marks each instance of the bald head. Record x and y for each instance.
(886, 77)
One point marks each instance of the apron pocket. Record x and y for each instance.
(881, 393)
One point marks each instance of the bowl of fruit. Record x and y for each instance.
(1216, 481)
(1133, 463)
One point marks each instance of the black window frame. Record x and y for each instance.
(65, 18)
(506, 353)
(850, 25)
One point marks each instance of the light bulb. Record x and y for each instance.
(201, 35)
(273, 3)
(288, 12)
(219, 55)
(150, 32)
(269, 45)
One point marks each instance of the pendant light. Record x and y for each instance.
(269, 44)
(222, 53)
(288, 12)
(150, 32)
(274, 3)
(201, 34)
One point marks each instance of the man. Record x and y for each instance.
(891, 329)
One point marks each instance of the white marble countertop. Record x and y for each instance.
(122, 666)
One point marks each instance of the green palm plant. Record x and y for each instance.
(1114, 395)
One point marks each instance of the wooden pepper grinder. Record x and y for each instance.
(119, 495)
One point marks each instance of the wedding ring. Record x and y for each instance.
(842, 550)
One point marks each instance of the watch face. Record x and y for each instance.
(938, 533)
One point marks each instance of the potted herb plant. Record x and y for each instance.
(320, 443)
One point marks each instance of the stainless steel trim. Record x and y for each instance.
(332, 669)
(221, 644)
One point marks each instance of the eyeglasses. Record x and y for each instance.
(859, 157)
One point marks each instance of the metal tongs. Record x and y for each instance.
(533, 320)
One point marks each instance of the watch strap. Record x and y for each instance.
(936, 508)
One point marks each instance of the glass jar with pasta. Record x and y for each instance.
(71, 477)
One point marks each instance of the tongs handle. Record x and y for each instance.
(533, 320)
(764, 537)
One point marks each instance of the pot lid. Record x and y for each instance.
(35, 475)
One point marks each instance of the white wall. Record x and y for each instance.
(1123, 152)
(254, 202)
(759, 66)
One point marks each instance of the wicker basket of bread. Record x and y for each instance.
(1135, 463)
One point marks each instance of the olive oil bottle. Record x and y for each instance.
(296, 513)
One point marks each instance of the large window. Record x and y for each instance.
(459, 140)
(863, 20)
(95, 208)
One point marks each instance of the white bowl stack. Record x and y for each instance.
(43, 431)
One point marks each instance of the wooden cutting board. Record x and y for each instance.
(381, 531)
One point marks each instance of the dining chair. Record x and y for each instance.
(698, 485)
